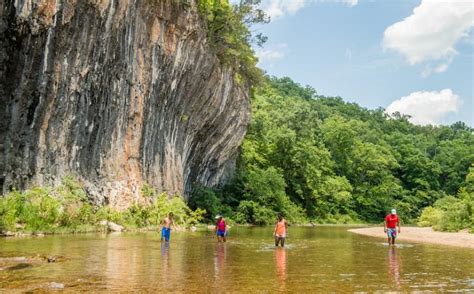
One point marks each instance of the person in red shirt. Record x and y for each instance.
(220, 229)
(391, 223)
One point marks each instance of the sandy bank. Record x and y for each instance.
(423, 235)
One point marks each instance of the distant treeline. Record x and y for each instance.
(321, 159)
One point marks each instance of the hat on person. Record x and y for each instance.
(394, 211)
(218, 216)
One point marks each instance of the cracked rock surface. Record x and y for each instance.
(117, 93)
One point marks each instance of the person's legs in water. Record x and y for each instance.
(279, 241)
(168, 233)
(392, 234)
(220, 236)
(165, 234)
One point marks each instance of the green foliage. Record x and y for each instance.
(211, 201)
(147, 191)
(66, 209)
(452, 213)
(254, 213)
(230, 36)
(320, 158)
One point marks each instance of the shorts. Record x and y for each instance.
(165, 233)
(392, 232)
(221, 233)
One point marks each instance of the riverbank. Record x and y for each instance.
(423, 235)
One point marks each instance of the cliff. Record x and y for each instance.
(117, 93)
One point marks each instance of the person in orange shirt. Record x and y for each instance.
(280, 231)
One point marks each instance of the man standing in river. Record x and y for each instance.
(391, 223)
(166, 229)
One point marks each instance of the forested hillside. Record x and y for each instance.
(322, 159)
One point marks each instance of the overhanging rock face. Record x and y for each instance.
(117, 93)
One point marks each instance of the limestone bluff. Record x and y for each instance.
(117, 93)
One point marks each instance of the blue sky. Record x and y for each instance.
(412, 56)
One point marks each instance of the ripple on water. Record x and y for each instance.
(384, 244)
(271, 247)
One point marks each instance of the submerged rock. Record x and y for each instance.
(116, 93)
(54, 285)
(19, 266)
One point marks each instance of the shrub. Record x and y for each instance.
(430, 217)
(254, 213)
(66, 209)
(209, 200)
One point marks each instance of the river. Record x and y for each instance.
(320, 259)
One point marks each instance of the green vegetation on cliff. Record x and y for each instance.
(229, 34)
(325, 160)
(67, 209)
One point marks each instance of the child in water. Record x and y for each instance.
(167, 222)
(279, 233)
(221, 229)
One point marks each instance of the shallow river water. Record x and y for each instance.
(321, 259)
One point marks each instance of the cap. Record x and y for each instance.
(394, 211)
(218, 216)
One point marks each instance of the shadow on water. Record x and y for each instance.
(327, 259)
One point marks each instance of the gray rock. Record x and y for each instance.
(116, 93)
(113, 227)
(8, 234)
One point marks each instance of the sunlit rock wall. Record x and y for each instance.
(117, 93)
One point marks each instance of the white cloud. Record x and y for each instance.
(279, 8)
(431, 32)
(271, 54)
(425, 107)
(441, 67)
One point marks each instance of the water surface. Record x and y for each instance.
(315, 259)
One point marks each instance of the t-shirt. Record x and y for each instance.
(392, 220)
(221, 225)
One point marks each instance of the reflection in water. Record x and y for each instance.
(165, 258)
(280, 259)
(328, 259)
(122, 262)
(219, 261)
(394, 266)
(165, 274)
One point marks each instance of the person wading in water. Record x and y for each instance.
(391, 223)
(167, 222)
(280, 231)
(221, 229)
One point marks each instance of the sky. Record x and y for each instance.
(411, 56)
